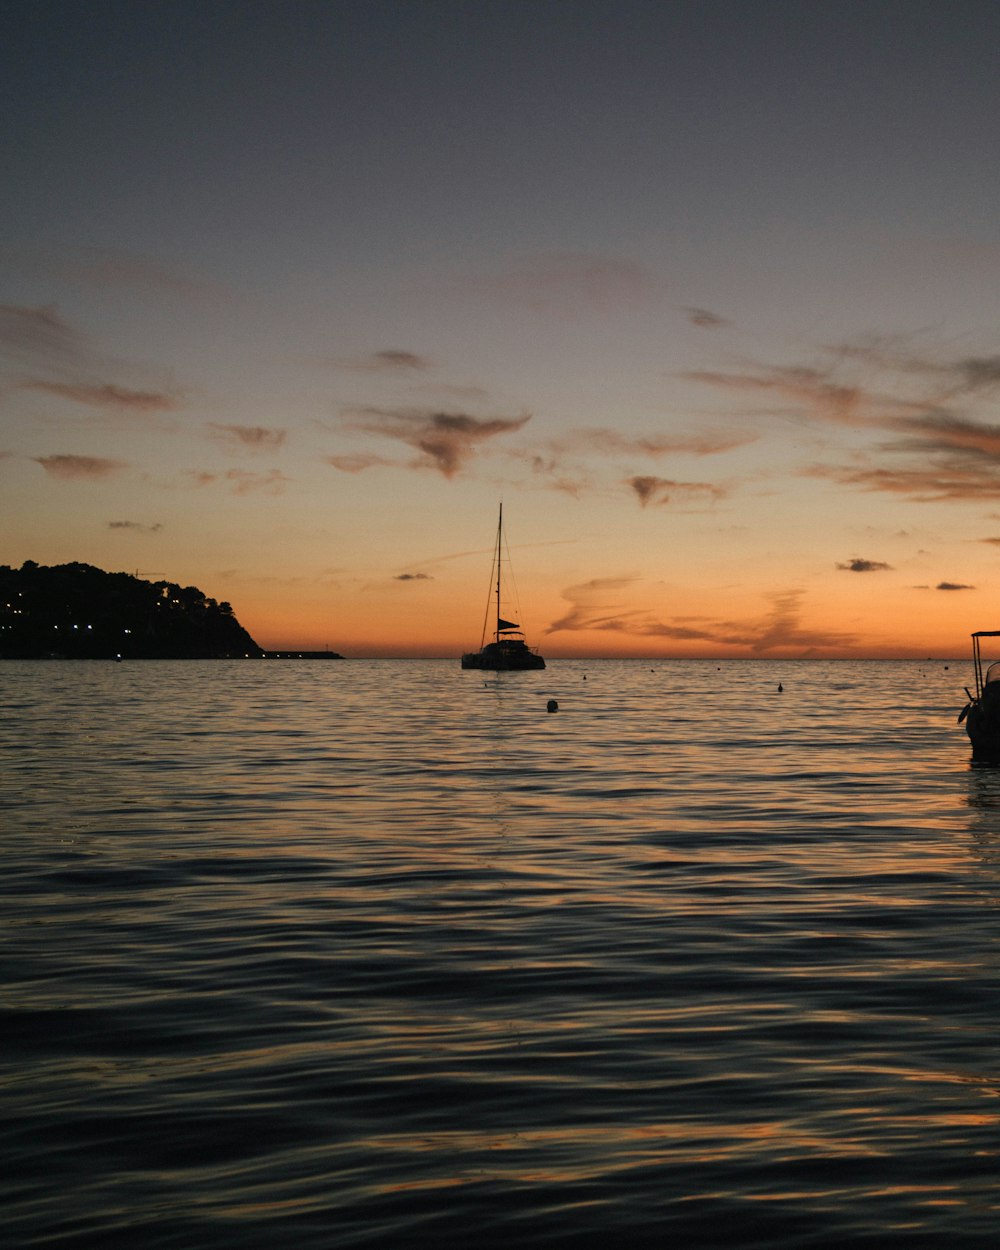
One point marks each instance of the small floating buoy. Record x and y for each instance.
(780, 687)
(552, 706)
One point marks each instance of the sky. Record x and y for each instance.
(293, 295)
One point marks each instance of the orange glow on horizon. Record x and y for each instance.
(442, 625)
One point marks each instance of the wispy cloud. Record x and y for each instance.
(454, 392)
(42, 352)
(138, 526)
(413, 577)
(711, 443)
(251, 437)
(945, 433)
(33, 336)
(273, 482)
(953, 586)
(704, 319)
(859, 565)
(928, 484)
(388, 360)
(569, 284)
(809, 391)
(935, 450)
(662, 491)
(954, 375)
(976, 373)
(358, 463)
(106, 269)
(445, 441)
(242, 481)
(108, 395)
(567, 464)
(79, 467)
(594, 606)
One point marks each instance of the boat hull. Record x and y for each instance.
(504, 657)
(983, 726)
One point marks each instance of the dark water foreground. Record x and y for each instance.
(383, 955)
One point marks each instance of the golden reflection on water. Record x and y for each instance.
(623, 1146)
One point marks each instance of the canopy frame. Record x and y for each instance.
(977, 659)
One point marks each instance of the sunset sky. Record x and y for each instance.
(293, 294)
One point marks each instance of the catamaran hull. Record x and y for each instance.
(503, 658)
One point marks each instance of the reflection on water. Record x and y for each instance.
(984, 821)
(385, 954)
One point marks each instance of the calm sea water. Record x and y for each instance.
(382, 954)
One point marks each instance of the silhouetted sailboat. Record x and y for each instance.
(508, 650)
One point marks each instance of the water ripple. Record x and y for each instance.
(378, 954)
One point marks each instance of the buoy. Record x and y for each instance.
(780, 687)
(552, 706)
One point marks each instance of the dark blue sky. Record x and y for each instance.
(675, 275)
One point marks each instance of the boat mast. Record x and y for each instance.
(499, 557)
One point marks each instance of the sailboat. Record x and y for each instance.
(508, 650)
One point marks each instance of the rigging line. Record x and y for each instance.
(489, 603)
(494, 577)
(513, 594)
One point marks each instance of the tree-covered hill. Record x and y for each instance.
(76, 611)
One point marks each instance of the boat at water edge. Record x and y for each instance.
(982, 713)
(508, 652)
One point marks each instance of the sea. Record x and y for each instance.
(381, 954)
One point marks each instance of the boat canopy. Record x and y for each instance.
(992, 674)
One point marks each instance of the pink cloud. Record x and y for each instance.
(445, 441)
(594, 606)
(358, 463)
(662, 491)
(656, 445)
(107, 395)
(242, 481)
(76, 467)
(253, 437)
